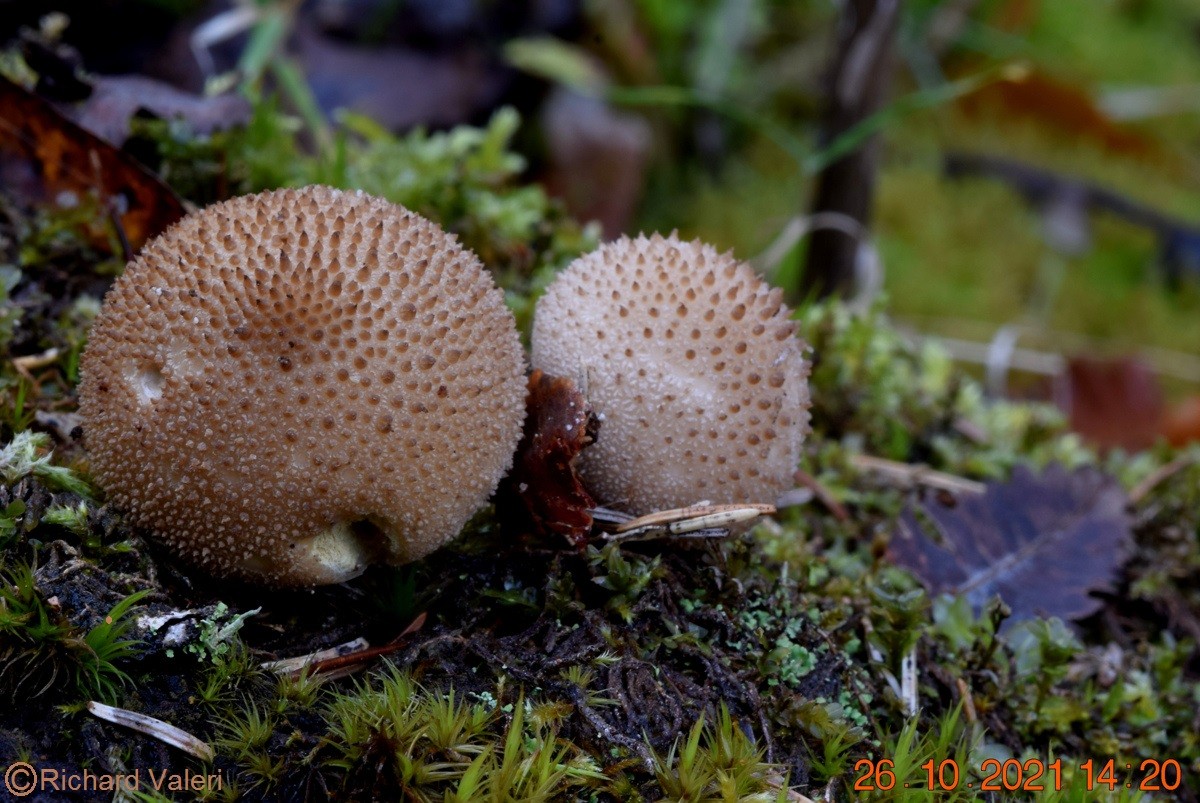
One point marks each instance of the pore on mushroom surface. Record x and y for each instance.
(692, 363)
(292, 385)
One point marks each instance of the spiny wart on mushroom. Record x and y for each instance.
(291, 385)
(692, 363)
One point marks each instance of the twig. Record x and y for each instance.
(119, 226)
(25, 365)
(908, 681)
(701, 520)
(1158, 476)
(294, 667)
(911, 474)
(859, 80)
(970, 348)
(1044, 188)
(821, 492)
(344, 659)
(155, 728)
(342, 665)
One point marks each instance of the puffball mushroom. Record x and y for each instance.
(692, 363)
(292, 385)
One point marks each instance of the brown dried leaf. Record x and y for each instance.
(1182, 424)
(1114, 402)
(558, 424)
(1064, 107)
(597, 158)
(1042, 542)
(44, 155)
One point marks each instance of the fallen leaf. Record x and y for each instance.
(401, 87)
(1057, 105)
(558, 425)
(1042, 542)
(115, 100)
(52, 159)
(597, 158)
(1182, 422)
(1114, 402)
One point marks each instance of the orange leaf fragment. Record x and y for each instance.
(61, 157)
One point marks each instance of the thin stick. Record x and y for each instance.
(294, 667)
(29, 363)
(910, 474)
(1158, 476)
(343, 664)
(908, 681)
(702, 520)
(821, 492)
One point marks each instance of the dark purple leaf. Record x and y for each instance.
(115, 100)
(1042, 542)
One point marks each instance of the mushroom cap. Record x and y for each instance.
(291, 385)
(692, 363)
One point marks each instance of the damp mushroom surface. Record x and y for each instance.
(292, 385)
(693, 365)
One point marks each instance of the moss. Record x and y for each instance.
(730, 669)
(790, 644)
(817, 622)
(42, 653)
(26, 455)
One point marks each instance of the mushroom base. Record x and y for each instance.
(334, 555)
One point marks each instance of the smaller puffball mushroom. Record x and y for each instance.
(292, 385)
(692, 364)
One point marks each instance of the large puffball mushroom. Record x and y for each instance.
(292, 385)
(692, 364)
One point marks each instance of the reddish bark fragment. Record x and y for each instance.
(558, 425)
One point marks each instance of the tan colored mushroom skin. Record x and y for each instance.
(693, 365)
(288, 386)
